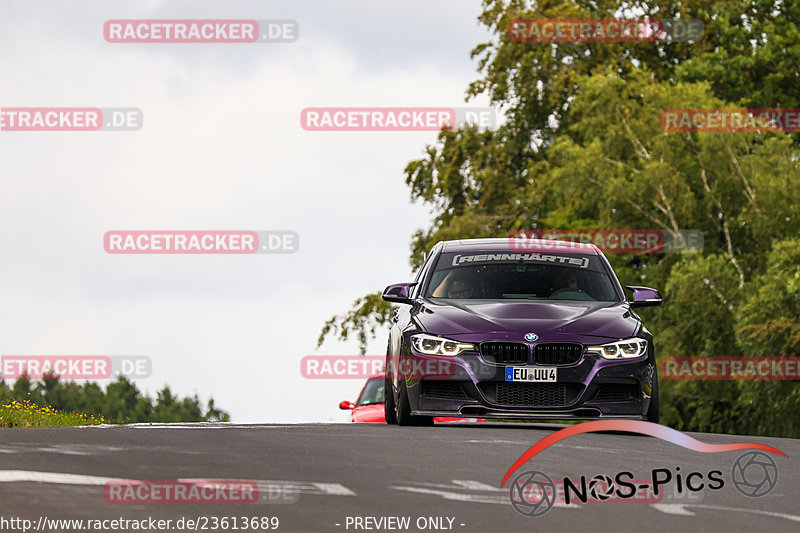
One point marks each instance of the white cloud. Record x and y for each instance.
(221, 148)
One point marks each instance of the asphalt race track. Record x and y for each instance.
(347, 477)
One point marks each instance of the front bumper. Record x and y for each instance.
(589, 389)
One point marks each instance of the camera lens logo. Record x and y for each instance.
(601, 487)
(532, 493)
(755, 474)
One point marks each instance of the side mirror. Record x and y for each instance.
(345, 405)
(644, 296)
(399, 293)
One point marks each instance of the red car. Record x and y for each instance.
(369, 406)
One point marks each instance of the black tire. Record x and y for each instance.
(389, 411)
(404, 416)
(653, 414)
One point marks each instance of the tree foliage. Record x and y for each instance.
(121, 401)
(582, 147)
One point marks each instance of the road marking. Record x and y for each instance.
(680, 509)
(13, 476)
(496, 441)
(455, 492)
(192, 425)
(296, 487)
(672, 508)
(459, 484)
(476, 485)
(593, 449)
(334, 489)
(66, 449)
(455, 496)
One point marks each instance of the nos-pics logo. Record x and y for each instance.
(533, 493)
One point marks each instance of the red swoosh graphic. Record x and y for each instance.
(634, 426)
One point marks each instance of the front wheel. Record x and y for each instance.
(389, 412)
(404, 416)
(653, 414)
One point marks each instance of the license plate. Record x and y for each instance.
(536, 374)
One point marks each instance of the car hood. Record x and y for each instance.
(550, 320)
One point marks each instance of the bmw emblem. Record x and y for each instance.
(530, 337)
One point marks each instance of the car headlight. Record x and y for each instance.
(431, 345)
(623, 349)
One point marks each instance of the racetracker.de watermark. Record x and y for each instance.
(70, 118)
(729, 368)
(364, 366)
(200, 31)
(731, 119)
(200, 491)
(608, 240)
(180, 492)
(341, 366)
(91, 367)
(200, 242)
(588, 30)
(395, 118)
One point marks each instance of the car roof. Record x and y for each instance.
(508, 244)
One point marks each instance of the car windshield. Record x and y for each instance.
(531, 276)
(373, 392)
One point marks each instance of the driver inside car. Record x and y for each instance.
(568, 282)
(459, 288)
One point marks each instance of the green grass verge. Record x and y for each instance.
(16, 414)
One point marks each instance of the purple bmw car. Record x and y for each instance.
(493, 331)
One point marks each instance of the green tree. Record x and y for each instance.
(120, 402)
(582, 147)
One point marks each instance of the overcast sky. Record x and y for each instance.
(221, 148)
